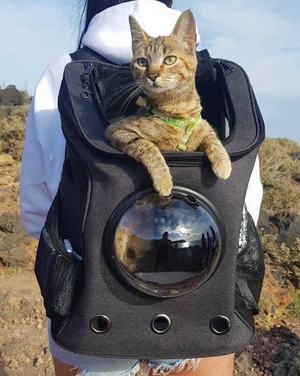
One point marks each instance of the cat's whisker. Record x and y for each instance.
(136, 92)
(127, 102)
(119, 95)
(129, 92)
(124, 86)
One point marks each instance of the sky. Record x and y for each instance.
(263, 36)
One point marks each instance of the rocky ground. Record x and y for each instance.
(23, 333)
(24, 350)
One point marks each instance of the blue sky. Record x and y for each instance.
(262, 36)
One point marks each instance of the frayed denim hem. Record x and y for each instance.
(143, 368)
(165, 369)
(132, 372)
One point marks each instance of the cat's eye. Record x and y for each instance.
(170, 60)
(142, 62)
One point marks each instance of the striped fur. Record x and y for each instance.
(170, 89)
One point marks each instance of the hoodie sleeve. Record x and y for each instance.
(254, 193)
(44, 150)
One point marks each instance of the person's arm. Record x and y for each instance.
(44, 150)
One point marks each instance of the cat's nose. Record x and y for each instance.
(153, 76)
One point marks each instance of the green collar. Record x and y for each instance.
(187, 124)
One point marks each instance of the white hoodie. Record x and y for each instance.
(44, 147)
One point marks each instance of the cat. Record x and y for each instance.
(165, 67)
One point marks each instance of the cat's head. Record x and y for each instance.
(166, 62)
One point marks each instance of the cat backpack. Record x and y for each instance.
(125, 273)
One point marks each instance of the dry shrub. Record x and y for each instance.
(12, 131)
(295, 312)
(288, 258)
(276, 160)
(278, 199)
(279, 172)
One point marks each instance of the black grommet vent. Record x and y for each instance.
(100, 324)
(161, 324)
(220, 325)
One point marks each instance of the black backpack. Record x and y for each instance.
(190, 268)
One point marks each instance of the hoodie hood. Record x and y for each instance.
(109, 32)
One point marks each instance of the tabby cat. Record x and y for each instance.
(165, 67)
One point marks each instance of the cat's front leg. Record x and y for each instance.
(204, 138)
(144, 151)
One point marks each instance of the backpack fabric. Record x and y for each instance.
(93, 309)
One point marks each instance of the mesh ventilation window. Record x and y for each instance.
(119, 93)
(165, 247)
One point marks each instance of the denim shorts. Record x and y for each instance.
(95, 366)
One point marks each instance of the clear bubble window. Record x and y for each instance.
(167, 247)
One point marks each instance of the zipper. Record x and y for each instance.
(258, 120)
(85, 78)
(176, 158)
(172, 158)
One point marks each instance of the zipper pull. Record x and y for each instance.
(89, 69)
(86, 92)
(70, 249)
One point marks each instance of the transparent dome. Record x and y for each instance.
(166, 246)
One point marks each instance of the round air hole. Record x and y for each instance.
(100, 324)
(161, 324)
(220, 325)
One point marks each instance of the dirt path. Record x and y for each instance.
(23, 327)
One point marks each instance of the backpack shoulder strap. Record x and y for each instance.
(86, 53)
(206, 71)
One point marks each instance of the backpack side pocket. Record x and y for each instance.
(58, 272)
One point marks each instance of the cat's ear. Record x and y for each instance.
(137, 33)
(185, 30)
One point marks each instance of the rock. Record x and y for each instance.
(295, 155)
(244, 361)
(288, 228)
(10, 223)
(296, 177)
(38, 361)
(47, 352)
(267, 224)
(13, 251)
(277, 295)
(13, 363)
(6, 160)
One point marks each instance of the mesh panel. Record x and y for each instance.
(58, 273)
(63, 284)
(250, 265)
(119, 92)
(243, 240)
(117, 89)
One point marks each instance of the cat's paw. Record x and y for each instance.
(163, 186)
(222, 167)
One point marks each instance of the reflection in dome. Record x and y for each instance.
(167, 246)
